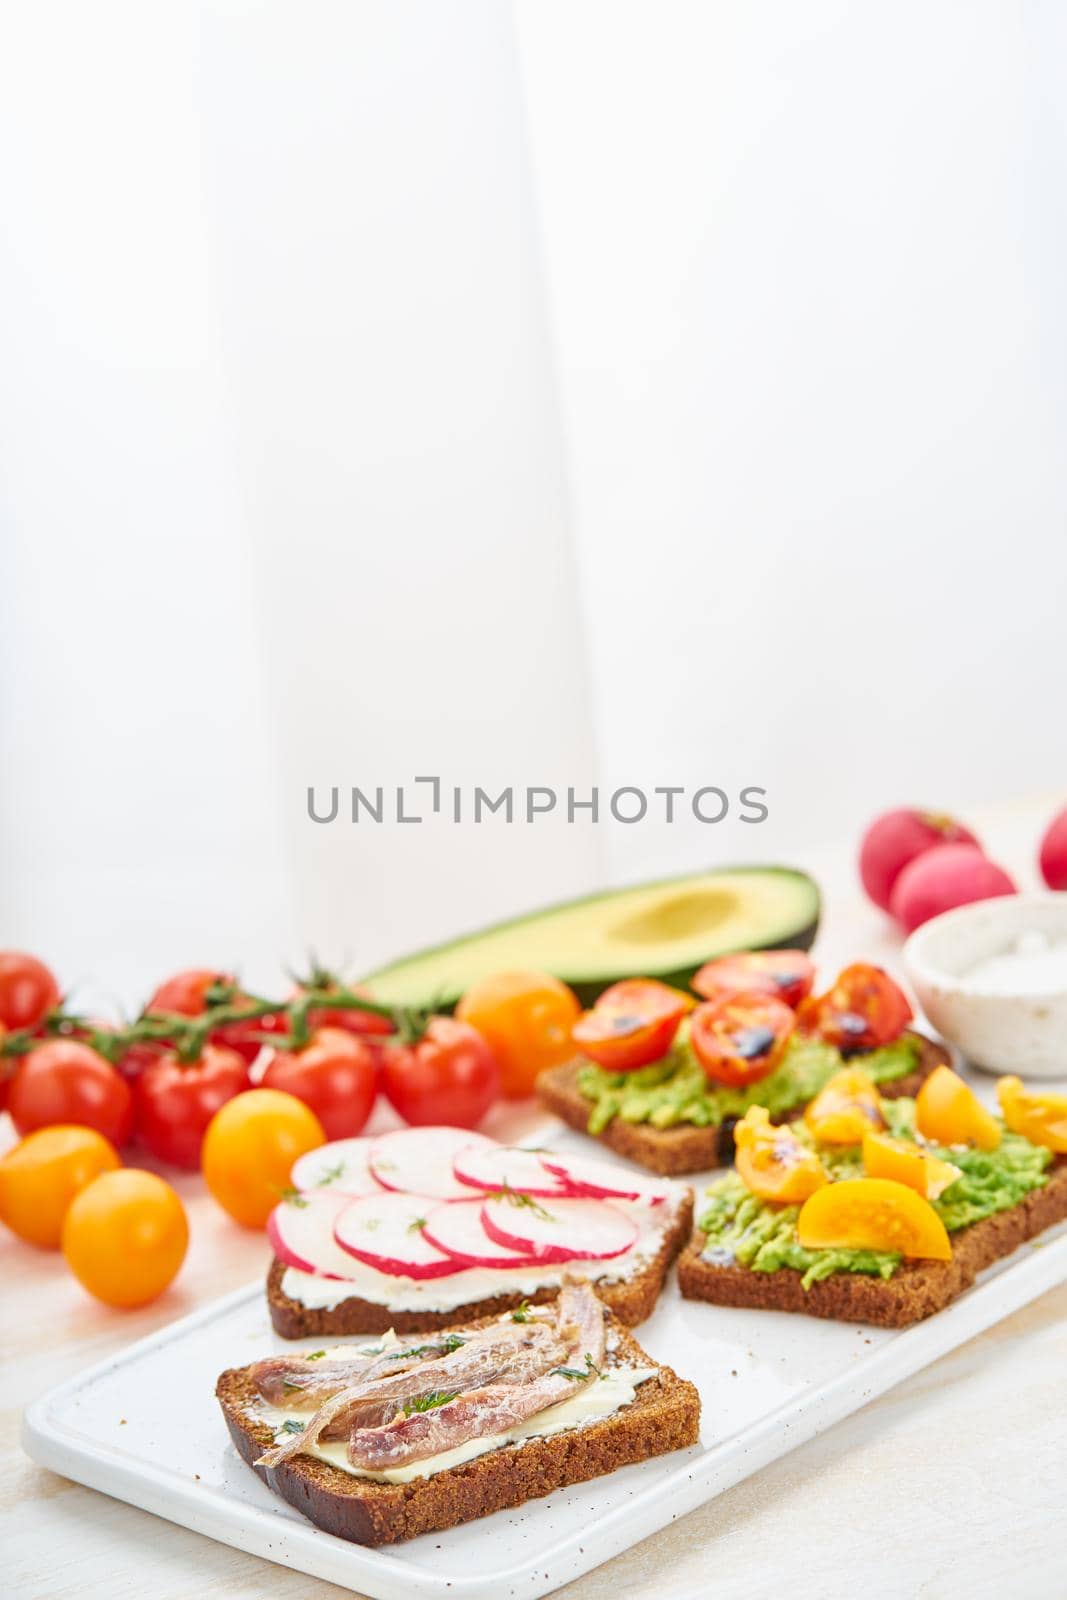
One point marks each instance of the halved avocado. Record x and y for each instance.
(657, 930)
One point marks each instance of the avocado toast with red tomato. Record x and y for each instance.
(878, 1211)
(663, 1080)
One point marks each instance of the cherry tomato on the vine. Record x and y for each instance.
(448, 1076)
(739, 1038)
(526, 1019)
(785, 975)
(187, 994)
(863, 1010)
(174, 1101)
(63, 1080)
(632, 1024)
(28, 991)
(334, 1073)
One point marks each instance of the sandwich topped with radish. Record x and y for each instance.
(423, 1228)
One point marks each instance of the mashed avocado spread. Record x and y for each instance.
(675, 1089)
(743, 1229)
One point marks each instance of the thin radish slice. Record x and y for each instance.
(455, 1227)
(341, 1167)
(602, 1180)
(300, 1229)
(502, 1166)
(386, 1232)
(558, 1230)
(419, 1160)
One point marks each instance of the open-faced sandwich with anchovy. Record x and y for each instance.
(385, 1440)
(424, 1227)
(878, 1211)
(662, 1079)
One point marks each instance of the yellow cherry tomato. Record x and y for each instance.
(905, 1162)
(872, 1214)
(125, 1236)
(41, 1175)
(249, 1149)
(1039, 1117)
(526, 1019)
(948, 1112)
(771, 1161)
(845, 1108)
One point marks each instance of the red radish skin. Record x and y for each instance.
(419, 1160)
(456, 1228)
(300, 1230)
(600, 1180)
(897, 838)
(492, 1168)
(1053, 857)
(565, 1230)
(340, 1166)
(385, 1231)
(949, 875)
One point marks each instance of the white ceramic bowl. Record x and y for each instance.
(1022, 1032)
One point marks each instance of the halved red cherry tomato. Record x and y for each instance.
(174, 1101)
(739, 1038)
(787, 975)
(335, 1074)
(632, 1024)
(863, 1010)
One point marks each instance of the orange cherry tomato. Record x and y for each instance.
(633, 1023)
(948, 1112)
(872, 1214)
(739, 1038)
(845, 1108)
(772, 1162)
(526, 1019)
(908, 1163)
(1041, 1118)
(125, 1236)
(863, 1010)
(786, 975)
(41, 1175)
(249, 1149)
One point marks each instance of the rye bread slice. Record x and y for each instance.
(916, 1290)
(663, 1416)
(685, 1147)
(631, 1299)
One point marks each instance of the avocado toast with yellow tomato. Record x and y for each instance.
(878, 1211)
(662, 1079)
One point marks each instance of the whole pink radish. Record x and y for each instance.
(1053, 856)
(896, 838)
(948, 875)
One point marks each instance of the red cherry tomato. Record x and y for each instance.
(335, 1074)
(187, 994)
(28, 991)
(632, 1023)
(739, 1038)
(863, 1010)
(358, 1022)
(786, 975)
(449, 1076)
(63, 1080)
(174, 1101)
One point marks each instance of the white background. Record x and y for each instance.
(583, 392)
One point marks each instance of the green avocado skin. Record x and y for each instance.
(740, 1228)
(675, 1089)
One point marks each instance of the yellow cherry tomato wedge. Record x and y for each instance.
(906, 1162)
(632, 1024)
(948, 1112)
(846, 1108)
(873, 1214)
(41, 1175)
(1041, 1118)
(249, 1149)
(125, 1236)
(772, 1162)
(526, 1019)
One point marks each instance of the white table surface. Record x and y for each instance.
(951, 1485)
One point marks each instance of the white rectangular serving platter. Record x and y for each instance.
(145, 1427)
